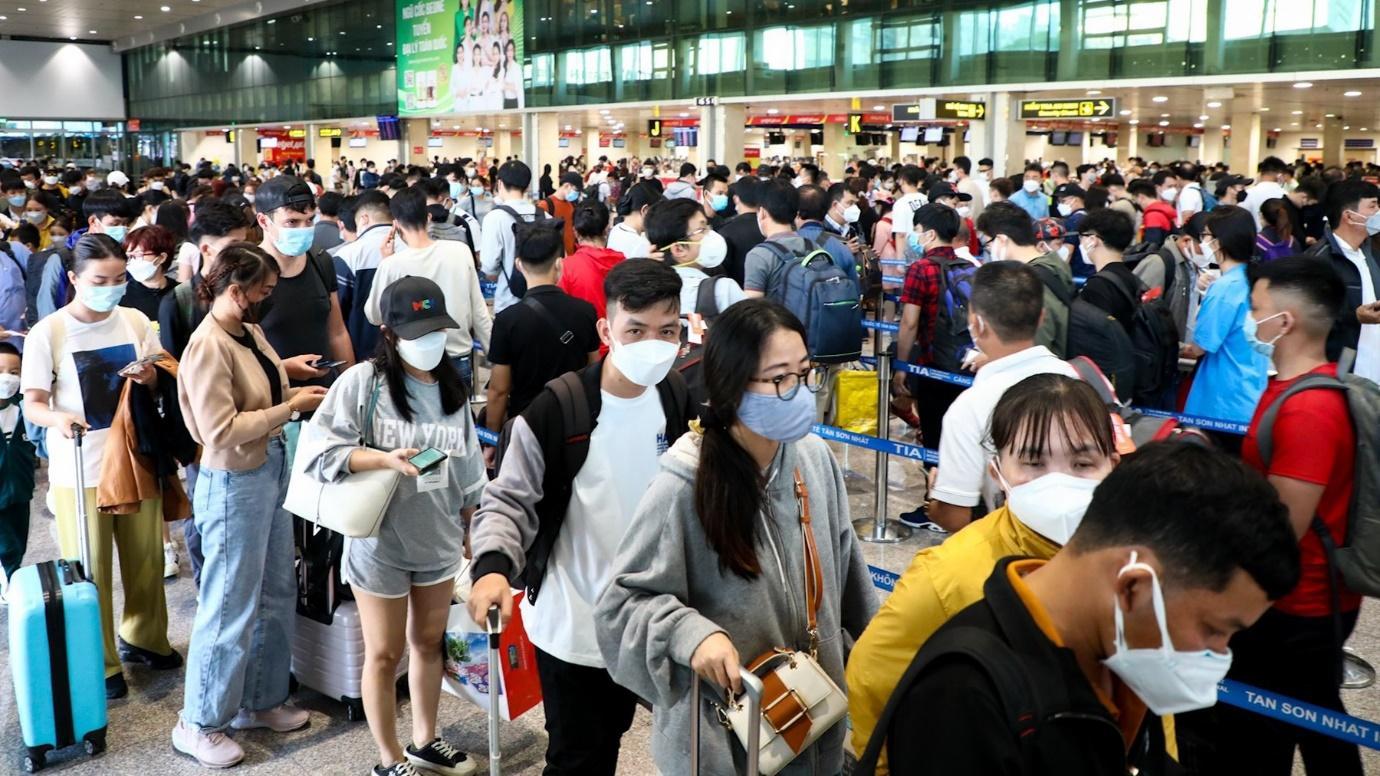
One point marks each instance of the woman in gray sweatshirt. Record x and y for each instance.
(712, 572)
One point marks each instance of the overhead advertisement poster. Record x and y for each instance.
(459, 56)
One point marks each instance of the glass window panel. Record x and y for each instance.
(795, 48)
(716, 54)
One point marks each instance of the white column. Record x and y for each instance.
(1247, 140)
(1210, 150)
(1007, 133)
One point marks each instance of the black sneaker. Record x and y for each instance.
(917, 518)
(115, 687)
(132, 654)
(400, 768)
(440, 757)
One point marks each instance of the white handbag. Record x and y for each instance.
(799, 700)
(353, 506)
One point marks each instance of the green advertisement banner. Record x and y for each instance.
(459, 56)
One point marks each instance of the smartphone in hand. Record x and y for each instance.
(427, 459)
(325, 364)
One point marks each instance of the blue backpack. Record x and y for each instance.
(1209, 201)
(951, 338)
(823, 297)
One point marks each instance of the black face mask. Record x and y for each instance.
(254, 312)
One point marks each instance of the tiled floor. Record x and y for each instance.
(331, 746)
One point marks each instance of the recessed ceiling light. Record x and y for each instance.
(1317, 126)
(1164, 123)
(1276, 129)
(567, 127)
(1214, 105)
(1203, 117)
(72, 37)
(772, 111)
(1125, 112)
(455, 126)
(1346, 127)
(1226, 126)
(1264, 110)
(272, 21)
(91, 32)
(878, 107)
(1198, 125)
(1303, 85)
(685, 115)
(1293, 123)
(310, 39)
(137, 18)
(1134, 122)
(164, 8)
(1094, 91)
(1160, 98)
(1296, 112)
(1329, 115)
(1352, 93)
(1164, 115)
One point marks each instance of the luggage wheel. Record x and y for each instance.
(35, 759)
(354, 709)
(95, 743)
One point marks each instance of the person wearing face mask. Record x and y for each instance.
(562, 205)
(628, 235)
(710, 573)
(812, 225)
(17, 466)
(1070, 204)
(408, 397)
(1295, 647)
(107, 213)
(12, 188)
(686, 242)
(1157, 216)
(407, 249)
(967, 184)
(1354, 213)
(236, 400)
(303, 320)
(37, 211)
(1010, 236)
(564, 498)
(1004, 312)
(1053, 445)
(1231, 373)
(73, 374)
(148, 249)
(911, 199)
(1174, 270)
(356, 264)
(1178, 549)
(1114, 289)
(714, 199)
(1031, 198)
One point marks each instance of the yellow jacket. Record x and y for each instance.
(941, 582)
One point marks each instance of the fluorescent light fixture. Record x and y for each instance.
(1159, 98)
(1352, 93)
(1214, 105)
(1303, 85)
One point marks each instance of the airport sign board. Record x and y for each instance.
(960, 109)
(1098, 108)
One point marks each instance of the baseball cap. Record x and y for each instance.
(574, 179)
(283, 191)
(414, 306)
(117, 178)
(943, 190)
(1069, 190)
(1227, 181)
(1048, 229)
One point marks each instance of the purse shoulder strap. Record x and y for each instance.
(814, 575)
(369, 410)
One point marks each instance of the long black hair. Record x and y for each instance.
(730, 488)
(387, 362)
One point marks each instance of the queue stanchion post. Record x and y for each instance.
(878, 529)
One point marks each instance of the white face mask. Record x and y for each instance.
(50, 180)
(141, 269)
(1169, 193)
(1051, 506)
(1169, 681)
(1065, 251)
(851, 214)
(964, 211)
(9, 386)
(713, 251)
(1065, 209)
(156, 185)
(425, 352)
(1031, 185)
(645, 362)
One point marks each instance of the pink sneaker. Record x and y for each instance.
(283, 719)
(211, 750)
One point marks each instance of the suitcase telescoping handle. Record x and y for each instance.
(495, 679)
(83, 532)
(752, 688)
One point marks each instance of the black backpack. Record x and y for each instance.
(1097, 335)
(1155, 345)
(690, 360)
(517, 282)
(951, 338)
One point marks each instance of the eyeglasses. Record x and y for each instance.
(788, 384)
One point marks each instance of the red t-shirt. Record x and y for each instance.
(1315, 443)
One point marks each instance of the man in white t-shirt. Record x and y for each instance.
(1004, 313)
(497, 244)
(448, 263)
(1190, 192)
(628, 236)
(561, 528)
(1267, 186)
(903, 211)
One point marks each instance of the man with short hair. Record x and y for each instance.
(963, 168)
(107, 212)
(562, 205)
(448, 263)
(1103, 238)
(687, 242)
(1180, 547)
(1174, 270)
(355, 265)
(815, 206)
(1157, 215)
(776, 220)
(1231, 190)
(542, 337)
(498, 248)
(328, 222)
(741, 231)
(1190, 199)
(714, 199)
(555, 515)
(1267, 186)
(1031, 198)
(1010, 234)
(1004, 314)
(1350, 205)
(1069, 200)
(903, 210)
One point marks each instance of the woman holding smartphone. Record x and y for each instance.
(405, 409)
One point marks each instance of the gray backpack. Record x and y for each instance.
(1358, 559)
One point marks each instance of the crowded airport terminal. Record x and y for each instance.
(666, 388)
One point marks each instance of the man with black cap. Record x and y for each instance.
(961, 201)
(562, 205)
(1069, 199)
(1231, 190)
(305, 296)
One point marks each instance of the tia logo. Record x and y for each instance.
(425, 304)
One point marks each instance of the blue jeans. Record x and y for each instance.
(189, 530)
(241, 650)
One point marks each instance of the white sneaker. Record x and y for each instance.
(283, 719)
(169, 560)
(211, 750)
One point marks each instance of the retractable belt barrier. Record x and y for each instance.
(488, 288)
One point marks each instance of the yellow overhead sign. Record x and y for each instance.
(328, 132)
(654, 128)
(960, 109)
(854, 123)
(1068, 109)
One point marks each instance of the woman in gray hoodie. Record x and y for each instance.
(712, 572)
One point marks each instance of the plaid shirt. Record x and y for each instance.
(922, 288)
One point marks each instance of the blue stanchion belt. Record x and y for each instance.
(486, 436)
(877, 444)
(896, 280)
(893, 263)
(488, 288)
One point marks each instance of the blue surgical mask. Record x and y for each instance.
(477, 191)
(779, 420)
(916, 245)
(573, 196)
(294, 242)
(1250, 327)
(101, 299)
(719, 202)
(17, 200)
(456, 189)
(117, 233)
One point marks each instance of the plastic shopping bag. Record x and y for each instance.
(469, 675)
(855, 394)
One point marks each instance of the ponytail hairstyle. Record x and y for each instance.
(94, 247)
(730, 489)
(241, 264)
(389, 363)
(1277, 215)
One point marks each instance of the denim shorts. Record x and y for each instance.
(367, 575)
